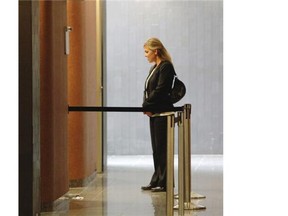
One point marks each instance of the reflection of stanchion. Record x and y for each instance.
(185, 152)
(170, 166)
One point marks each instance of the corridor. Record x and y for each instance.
(117, 191)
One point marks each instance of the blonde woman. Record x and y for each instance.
(156, 95)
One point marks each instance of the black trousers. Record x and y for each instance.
(158, 131)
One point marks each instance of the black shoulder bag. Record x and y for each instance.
(178, 90)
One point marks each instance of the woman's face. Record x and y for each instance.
(150, 55)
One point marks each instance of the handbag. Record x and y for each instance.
(178, 90)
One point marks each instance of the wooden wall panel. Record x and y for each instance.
(53, 102)
(82, 91)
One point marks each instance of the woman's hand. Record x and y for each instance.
(148, 113)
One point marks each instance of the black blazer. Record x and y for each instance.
(159, 86)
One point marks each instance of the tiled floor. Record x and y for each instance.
(117, 191)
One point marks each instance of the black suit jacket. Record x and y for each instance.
(159, 86)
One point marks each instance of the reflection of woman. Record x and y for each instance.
(156, 95)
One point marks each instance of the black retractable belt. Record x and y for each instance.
(122, 109)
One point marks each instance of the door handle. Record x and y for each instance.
(67, 40)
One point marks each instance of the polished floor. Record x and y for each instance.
(117, 191)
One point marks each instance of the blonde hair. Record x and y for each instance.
(155, 44)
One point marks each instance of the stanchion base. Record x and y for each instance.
(190, 206)
(197, 196)
(193, 196)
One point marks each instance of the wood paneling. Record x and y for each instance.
(82, 85)
(53, 70)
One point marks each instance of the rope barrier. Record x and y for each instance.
(121, 109)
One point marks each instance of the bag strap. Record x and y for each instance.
(173, 82)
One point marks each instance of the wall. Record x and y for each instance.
(192, 33)
(29, 109)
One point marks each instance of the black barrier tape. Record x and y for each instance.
(121, 109)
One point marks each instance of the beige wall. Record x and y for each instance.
(192, 32)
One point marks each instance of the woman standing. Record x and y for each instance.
(156, 95)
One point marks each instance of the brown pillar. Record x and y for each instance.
(29, 110)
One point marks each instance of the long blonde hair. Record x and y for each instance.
(155, 44)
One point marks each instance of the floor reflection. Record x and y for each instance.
(117, 191)
(158, 200)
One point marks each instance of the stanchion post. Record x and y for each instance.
(180, 164)
(170, 165)
(188, 194)
(187, 152)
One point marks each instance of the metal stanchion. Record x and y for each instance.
(170, 166)
(187, 160)
(180, 164)
(187, 153)
(188, 195)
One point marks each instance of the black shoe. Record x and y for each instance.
(158, 189)
(148, 187)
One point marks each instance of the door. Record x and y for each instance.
(53, 102)
(84, 89)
